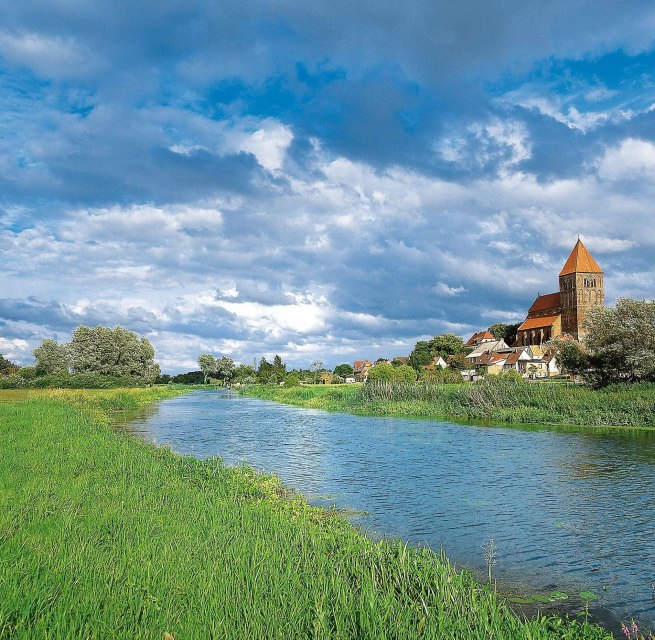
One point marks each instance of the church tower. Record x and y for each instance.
(580, 289)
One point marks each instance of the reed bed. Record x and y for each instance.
(104, 536)
(491, 399)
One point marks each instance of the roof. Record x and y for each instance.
(547, 301)
(486, 347)
(476, 338)
(580, 261)
(362, 363)
(513, 358)
(538, 323)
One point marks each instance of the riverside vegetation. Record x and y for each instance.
(496, 398)
(103, 535)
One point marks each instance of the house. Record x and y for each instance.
(488, 346)
(516, 360)
(361, 369)
(490, 363)
(479, 337)
(437, 363)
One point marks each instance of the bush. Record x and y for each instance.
(13, 381)
(82, 381)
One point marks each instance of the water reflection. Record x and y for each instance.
(569, 509)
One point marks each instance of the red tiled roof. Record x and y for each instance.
(547, 301)
(513, 358)
(478, 337)
(580, 261)
(538, 323)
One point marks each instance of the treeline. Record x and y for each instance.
(96, 357)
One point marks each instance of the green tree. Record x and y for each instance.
(244, 374)
(506, 332)
(619, 345)
(264, 371)
(207, 364)
(442, 345)
(224, 369)
(458, 362)
(404, 373)
(7, 367)
(52, 357)
(421, 355)
(382, 372)
(344, 370)
(112, 352)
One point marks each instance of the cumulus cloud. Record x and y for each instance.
(320, 184)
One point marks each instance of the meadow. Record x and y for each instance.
(105, 536)
(492, 399)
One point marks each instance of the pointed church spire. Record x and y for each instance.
(580, 261)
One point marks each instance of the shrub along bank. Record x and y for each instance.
(102, 535)
(502, 399)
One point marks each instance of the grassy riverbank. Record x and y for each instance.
(103, 536)
(631, 405)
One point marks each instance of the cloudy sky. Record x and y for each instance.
(320, 180)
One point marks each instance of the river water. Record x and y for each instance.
(568, 509)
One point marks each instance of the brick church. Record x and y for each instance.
(563, 312)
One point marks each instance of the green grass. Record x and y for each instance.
(104, 536)
(500, 400)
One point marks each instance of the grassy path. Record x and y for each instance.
(629, 405)
(103, 536)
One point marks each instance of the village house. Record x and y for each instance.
(361, 369)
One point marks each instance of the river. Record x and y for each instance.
(568, 509)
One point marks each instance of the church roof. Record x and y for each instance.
(580, 261)
(538, 323)
(547, 301)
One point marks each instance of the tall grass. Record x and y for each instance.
(103, 536)
(494, 399)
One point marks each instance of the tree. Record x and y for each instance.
(442, 345)
(382, 372)
(344, 371)
(207, 364)
(52, 357)
(245, 374)
(224, 369)
(506, 332)
(619, 345)
(404, 373)
(264, 371)
(421, 355)
(112, 352)
(316, 367)
(7, 367)
(458, 362)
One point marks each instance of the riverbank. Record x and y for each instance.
(498, 400)
(102, 535)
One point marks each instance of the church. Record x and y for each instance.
(563, 312)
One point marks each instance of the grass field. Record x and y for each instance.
(631, 405)
(103, 536)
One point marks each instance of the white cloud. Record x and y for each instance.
(632, 159)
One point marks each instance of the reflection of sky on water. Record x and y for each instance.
(568, 509)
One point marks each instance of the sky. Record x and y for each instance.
(323, 181)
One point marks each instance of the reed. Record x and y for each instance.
(492, 399)
(104, 536)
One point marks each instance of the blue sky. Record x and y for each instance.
(323, 181)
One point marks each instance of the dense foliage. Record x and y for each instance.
(444, 345)
(619, 345)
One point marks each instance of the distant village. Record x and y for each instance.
(530, 354)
